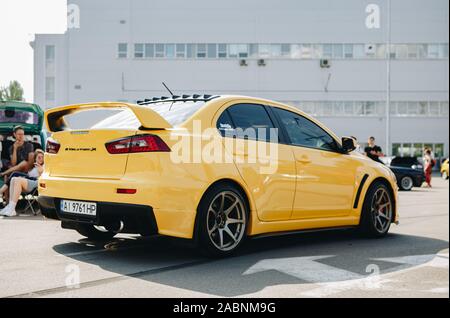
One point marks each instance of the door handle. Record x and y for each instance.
(304, 160)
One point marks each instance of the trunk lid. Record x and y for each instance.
(83, 153)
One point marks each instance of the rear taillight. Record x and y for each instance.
(52, 146)
(134, 144)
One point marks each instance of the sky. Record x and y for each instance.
(19, 21)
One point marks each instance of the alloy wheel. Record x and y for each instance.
(381, 210)
(226, 220)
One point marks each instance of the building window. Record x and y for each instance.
(190, 51)
(348, 51)
(139, 50)
(122, 50)
(159, 50)
(439, 150)
(170, 51)
(423, 108)
(222, 51)
(434, 108)
(181, 51)
(444, 109)
(306, 51)
(413, 52)
(373, 108)
(443, 51)
(50, 59)
(285, 50)
(212, 51)
(149, 50)
(359, 51)
(263, 51)
(433, 51)
(381, 51)
(327, 51)
(50, 88)
(401, 51)
(417, 149)
(396, 149)
(338, 51)
(254, 51)
(413, 108)
(275, 50)
(339, 109)
(243, 51)
(201, 51)
(50, 53)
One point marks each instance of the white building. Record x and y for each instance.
(123, 50)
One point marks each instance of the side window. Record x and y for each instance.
(252, 121)
(225, 124)
(303, 132)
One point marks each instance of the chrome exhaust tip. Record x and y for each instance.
(113, 228)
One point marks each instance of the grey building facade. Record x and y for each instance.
(329, 58)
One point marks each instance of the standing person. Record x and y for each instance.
(429, 162)
(373, 151)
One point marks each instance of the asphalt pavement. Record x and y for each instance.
(39, 259)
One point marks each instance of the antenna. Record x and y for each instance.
(171, 94)
(168, 89)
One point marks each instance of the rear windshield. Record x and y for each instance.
(18, 117)
(174, 113)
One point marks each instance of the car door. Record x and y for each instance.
(270, 179)
(325, 176)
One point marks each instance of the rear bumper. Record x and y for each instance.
(138, 219)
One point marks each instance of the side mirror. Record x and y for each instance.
(348, 144)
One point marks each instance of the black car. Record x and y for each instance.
(408, 171)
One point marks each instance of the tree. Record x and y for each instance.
(13, 91)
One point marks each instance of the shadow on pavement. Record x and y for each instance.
(296, 259)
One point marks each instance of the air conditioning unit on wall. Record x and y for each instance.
(370, 49)
(324, 63)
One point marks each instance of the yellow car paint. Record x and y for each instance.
(312, 189)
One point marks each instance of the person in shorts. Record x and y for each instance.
(19, 183)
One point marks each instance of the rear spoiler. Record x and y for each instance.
(149, 119)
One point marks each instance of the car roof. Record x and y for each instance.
(214, 106)
(23, 106)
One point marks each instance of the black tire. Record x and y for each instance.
(406, 183)
(203, 221)
(368, 225)
(89, 231)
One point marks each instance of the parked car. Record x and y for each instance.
(125, 174)
(444, 170)
(408, 171)
(29, 116)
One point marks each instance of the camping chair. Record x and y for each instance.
(30, 198)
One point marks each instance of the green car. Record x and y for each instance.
(29, 116)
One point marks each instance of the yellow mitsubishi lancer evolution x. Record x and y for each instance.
(214, 169)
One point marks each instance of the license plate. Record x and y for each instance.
(79, 207)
